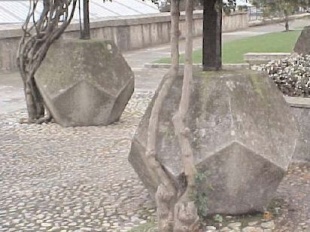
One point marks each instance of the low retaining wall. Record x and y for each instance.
(277, 20)
(301, 109)
(263, 58)
(128, 33)
(198, 66)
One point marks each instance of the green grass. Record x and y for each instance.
(233, 50)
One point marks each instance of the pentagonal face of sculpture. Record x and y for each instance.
(238, 180)
(139, 162)
(75, 108)
(239, 107)
(73, 68)
(118, 105)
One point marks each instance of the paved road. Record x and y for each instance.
(11, 93)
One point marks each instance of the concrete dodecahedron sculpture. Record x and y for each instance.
(85, 82)
(302, 45)
(243, 137)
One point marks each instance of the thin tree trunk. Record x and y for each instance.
(30, 102)
(212, 35)
(287, 28)
(175, 31)
(166, 192)
(39, 102)
(186, 217)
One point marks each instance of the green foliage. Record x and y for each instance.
(286, 7)
(218, 218)
(291, 75)
(229, 6)
(200, 195)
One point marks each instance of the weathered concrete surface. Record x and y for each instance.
(242, 133)
(301, 109)
(302, 45)
(85, 82)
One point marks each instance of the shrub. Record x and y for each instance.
(291, 75)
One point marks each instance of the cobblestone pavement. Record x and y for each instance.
(79, 179)
(295, 193)
(70, 179)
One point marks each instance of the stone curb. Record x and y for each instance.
(254, 58)
(298, 102)
(225, 66)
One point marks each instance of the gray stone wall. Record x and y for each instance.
(301, 109)
(128, 33)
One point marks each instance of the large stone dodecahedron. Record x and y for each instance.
(302, 45)
(85, 82)
(243, 137)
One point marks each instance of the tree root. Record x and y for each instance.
(45, 119)
(26, 121)
(186, 217)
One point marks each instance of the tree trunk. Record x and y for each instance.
(86, 24)
(287, 28)
(36, 39)
(175, 210)
(212, 35)
(175, 32)
(186, 217)
(166, 192)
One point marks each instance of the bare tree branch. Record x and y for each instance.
(38, 35)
